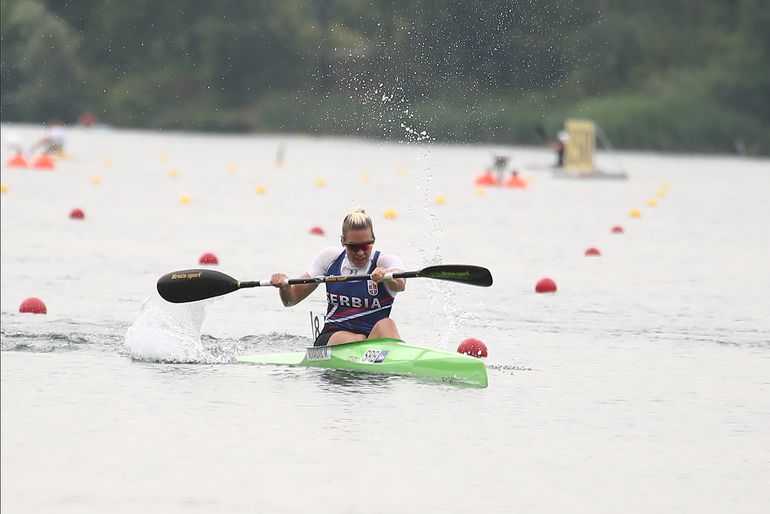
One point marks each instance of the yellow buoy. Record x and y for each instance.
(185, 200)
(3, 188)
(666, 186)
(260, 190)
(661, 193)
(652, 202)
(635, 213)
(319, 182)
(163, 158)
(440, 200)
(96, 181)
(107, 161)
(232, 168)
(366, 177)
(479, 191)
(528, 179)
(390, 214)
(173, 173)
(400, 172)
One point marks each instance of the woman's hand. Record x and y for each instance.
(377, 274)
(277, 279)
(396, 284)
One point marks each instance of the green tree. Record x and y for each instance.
(41, 69)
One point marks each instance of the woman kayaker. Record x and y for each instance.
(356, 310)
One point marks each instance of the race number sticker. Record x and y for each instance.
(319, 353)
(374, 356)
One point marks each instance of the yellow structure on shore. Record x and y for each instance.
(580, 149)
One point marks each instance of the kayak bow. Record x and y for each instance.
(390, 356)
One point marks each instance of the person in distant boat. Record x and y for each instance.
(53, 141)
(356, 310)
(560, 146)
(499, 164)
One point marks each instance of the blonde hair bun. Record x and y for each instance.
(357, 220)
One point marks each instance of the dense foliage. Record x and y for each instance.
(658, 74)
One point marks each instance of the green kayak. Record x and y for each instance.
(390, 356)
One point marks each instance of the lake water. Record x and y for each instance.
(641, 386)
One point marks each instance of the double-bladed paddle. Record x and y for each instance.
(198, 284)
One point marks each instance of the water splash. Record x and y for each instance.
(166, 332)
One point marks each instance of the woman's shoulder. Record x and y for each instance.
(323, 260)
(390, 261)
(330, 253)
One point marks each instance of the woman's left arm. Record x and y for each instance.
(395, 285)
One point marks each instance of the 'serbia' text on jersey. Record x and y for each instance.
(353, 301)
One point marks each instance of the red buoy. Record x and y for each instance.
(472, 347)
(77, 214)
(617, 229)
(208, 258)
(317, 231)
(592, 251)
(545, 285)
(33, 305)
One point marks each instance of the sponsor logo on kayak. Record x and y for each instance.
(374, 356)
(373, 289)
(176, 276)
(319, 353)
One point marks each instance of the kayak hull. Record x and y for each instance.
(389, 356)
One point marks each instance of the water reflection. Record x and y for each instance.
(364, 382)
(354, 381)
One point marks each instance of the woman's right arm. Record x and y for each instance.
(291, 294)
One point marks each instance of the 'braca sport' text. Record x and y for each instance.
(176, 276)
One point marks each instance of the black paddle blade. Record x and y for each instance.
(195, 284)
(466, 274)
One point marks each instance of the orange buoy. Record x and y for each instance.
(515, 182)
(473, 347)
(17, 161)
(486, 179)
(33, 305)
(617, 229)
(77, 214)
(317, 231)
(545, 285)
(208, 258)
(593, 251)
(43, 162)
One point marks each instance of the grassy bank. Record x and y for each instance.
(679, 122)
(671, 122)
